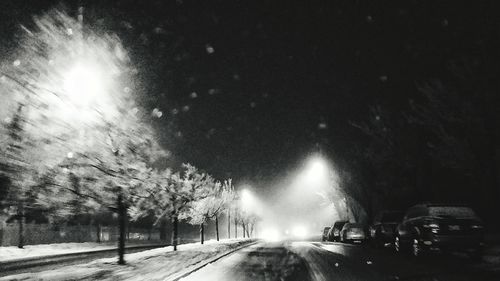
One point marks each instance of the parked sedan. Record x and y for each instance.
(427, 227)
(384, 226)
(334, 232)
(324, 236)
(353, 233)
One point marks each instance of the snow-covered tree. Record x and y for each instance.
(169, 195)
(70, 111)
(218, 196)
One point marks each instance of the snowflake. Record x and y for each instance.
(209, 49)
(193, 95)
(156, 113)
(322, 126)
(16, 63)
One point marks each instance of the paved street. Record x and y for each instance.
(335, 261)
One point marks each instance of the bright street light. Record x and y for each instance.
(317, 168)
(83, 84)
(247, 199)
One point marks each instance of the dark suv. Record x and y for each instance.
(440, 227)
(384, 226)
(334, 233)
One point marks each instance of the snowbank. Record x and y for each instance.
(30, 251)
(156, 264)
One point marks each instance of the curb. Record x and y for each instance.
(194, 268)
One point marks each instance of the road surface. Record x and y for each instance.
(303, 261)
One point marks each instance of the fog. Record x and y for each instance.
(302, 203)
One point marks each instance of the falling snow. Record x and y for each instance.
(209, 49)
(157, 113)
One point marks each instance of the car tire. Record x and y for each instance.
(416, 249)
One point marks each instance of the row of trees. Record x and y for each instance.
(74, 140)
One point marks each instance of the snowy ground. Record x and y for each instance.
(29, 251)
(156, 264)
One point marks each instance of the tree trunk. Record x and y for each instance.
(175, 222)
(235, 227)
(248, 233)
(202, 233)
(98, 232)
(217, 227)
(228, 224)
(21, 219)
(122, 216)
(127, 227)
(243, 226)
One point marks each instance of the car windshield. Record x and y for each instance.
(452, 212)
(354, 226)
(214, 139)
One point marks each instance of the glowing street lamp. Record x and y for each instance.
(317, 168)
(247, 199)
(83, 84)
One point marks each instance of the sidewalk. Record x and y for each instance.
(156, 264)
(31, 251)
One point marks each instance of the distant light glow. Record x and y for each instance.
(299, 231)
(270, 234)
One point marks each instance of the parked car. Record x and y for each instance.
(324, 236)
(440, 227)
(384, 226)
(334, 232)
(353, 233)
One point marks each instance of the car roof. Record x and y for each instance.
(441, 204)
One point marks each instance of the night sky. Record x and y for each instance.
(249, 88)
